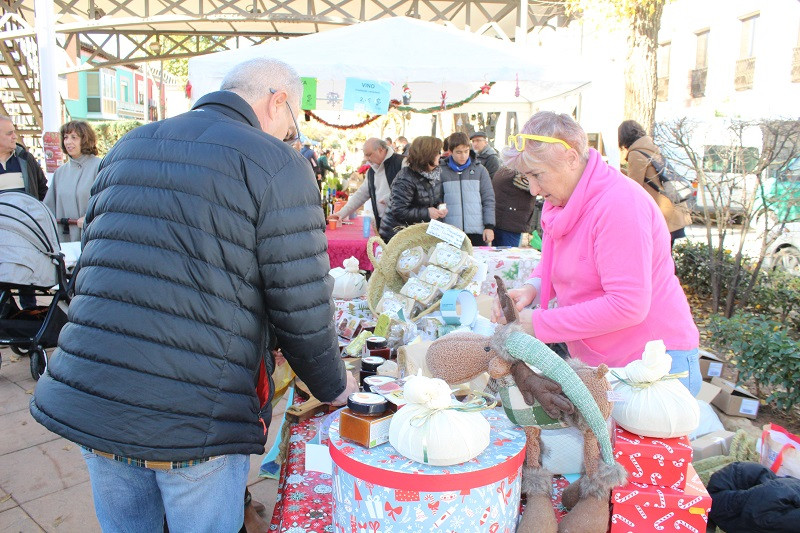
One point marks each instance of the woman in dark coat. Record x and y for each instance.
(416, 190)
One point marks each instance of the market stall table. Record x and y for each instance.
(305, 499)
(348, 241)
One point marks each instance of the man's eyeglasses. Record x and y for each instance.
(518, 140)
(290, 138)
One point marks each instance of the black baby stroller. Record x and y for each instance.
(30, 261)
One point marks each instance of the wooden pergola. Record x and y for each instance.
(128, 32)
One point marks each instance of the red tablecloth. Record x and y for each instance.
(348, 241)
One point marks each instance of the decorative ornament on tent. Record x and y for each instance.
(395, 104)
(333, 98)
(444, 98)
(406, 94)
(516, 91)
(485, 88)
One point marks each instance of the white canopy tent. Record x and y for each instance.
(429, 57)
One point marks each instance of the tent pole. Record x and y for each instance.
(521, 36)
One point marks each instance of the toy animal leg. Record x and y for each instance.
(533, 449)
(572, 494)
(590, 515)
(539, 516)
(591, 453)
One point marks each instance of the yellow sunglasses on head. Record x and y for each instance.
(518, 140)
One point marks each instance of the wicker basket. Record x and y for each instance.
(385, 275)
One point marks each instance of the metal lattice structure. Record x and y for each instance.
(123, 31)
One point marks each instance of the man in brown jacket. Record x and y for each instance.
(640, 150)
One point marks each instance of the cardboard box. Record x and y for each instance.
(368, 431)
(650, 509)
(733, 400)
(651, 460)
(710, 365)
(708, 392)
(715, 443)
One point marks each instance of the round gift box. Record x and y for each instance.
(381, 487)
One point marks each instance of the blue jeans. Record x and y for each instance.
(203, 498)
(683, 360)
(506, 238)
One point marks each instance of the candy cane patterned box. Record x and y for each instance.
(641, 508)
(651, 460)
(377, 490)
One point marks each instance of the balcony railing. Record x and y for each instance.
(662, 89)
(745, 69)
(130, 110)
(796, 66)
(698, 82)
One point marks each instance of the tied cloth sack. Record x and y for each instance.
(653, 402)
(348, 283)
(780, 451)
(434, 429)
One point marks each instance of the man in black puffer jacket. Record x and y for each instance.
(204, 245)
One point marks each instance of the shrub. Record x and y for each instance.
(108, 133)
(693, 268)
(763, 351)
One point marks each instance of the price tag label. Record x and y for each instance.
(447, 233)
(749, 407)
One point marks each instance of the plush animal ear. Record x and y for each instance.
(506, 303)
(602, 370)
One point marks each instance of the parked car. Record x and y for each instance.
(728, 182)
(784, 251)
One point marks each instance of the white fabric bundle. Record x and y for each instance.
(652, 405)
(348, 283)
(428, 431)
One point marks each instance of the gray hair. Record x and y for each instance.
(550, 124)
(253, 79)
(376, 143)
(6, 117)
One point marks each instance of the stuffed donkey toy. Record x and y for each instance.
(459, 357)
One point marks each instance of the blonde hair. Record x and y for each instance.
(550, 124)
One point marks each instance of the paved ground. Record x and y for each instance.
(44, 485)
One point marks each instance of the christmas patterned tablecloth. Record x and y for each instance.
(305, 501)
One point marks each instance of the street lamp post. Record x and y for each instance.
(155, 47)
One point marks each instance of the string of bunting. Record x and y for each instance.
(395, 104)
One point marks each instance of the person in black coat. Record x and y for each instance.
(749, 498)
(204, 247)
(416, 190)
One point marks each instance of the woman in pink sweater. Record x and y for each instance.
(605, 256)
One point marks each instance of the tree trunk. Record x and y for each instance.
(640, 67)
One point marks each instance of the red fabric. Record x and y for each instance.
(348, 241)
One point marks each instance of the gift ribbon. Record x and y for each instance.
(645, 384)
(433, 482)
(478, 402)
